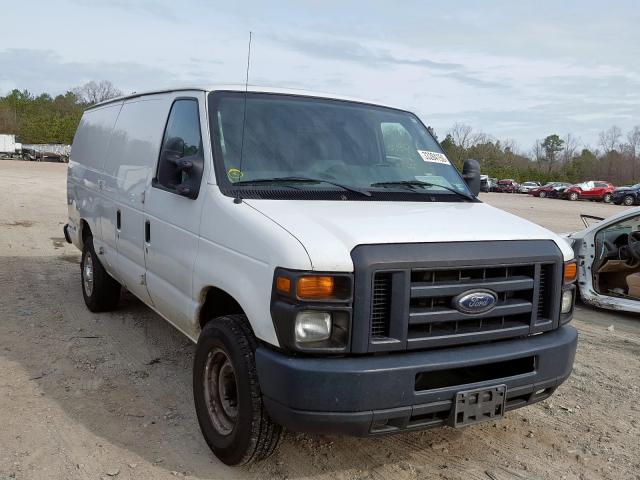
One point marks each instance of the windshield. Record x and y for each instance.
(290, 140)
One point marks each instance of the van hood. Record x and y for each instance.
(329, 230)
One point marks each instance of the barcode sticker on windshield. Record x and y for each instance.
(433, 157)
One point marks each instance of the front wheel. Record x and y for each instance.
(573, 196)
(607, 198)
(227, 395)
(543, 194)
(628, 200)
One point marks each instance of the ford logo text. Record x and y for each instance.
(475, 301)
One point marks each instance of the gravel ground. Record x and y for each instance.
(92, 396)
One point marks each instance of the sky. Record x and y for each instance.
(517, 70)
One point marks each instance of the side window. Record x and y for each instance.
(616, 235)
(181, 160)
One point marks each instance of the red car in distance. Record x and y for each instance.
(592, 190)
(550, 190)
(507, 186)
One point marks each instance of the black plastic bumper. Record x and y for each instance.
(65, 230)
(370, 395)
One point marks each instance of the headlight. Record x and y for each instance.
(311, 311)
(567, 301)
(312, 326)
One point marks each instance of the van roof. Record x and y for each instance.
(241, 88)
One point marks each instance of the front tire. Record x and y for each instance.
(606, 198)
(628, 200)
(543, 194)
(227, 395)
(573, 196)
(100, 290)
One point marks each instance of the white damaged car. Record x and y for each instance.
(608, 255)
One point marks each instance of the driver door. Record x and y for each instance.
(616, 265)
(173, 208)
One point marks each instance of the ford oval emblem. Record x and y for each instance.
(475, 301)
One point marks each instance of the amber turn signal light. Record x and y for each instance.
(316, 287)
(283, 285)
(570, 272)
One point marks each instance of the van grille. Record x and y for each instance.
(381, 305)
(432, 319)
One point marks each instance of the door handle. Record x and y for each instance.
(118, 220)
(147, 232)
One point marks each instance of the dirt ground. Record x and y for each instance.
(92, 396)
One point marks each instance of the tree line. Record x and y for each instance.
(47, 119)
(554, 158)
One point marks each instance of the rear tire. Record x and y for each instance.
(100, 290)
(227, 395)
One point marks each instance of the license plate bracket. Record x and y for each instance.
(479, 405)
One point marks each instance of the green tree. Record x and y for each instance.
(45, 119)
(552, 146)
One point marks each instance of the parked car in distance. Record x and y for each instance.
(487, 184)
(550, 190)
(526, 187)
(592, 190)
(330, 285)
(629, 195)
(507, 186)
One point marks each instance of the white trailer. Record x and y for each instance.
(8, 146)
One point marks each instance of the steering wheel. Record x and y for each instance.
(610, 250)
(632, 250)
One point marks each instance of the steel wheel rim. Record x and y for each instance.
(87, 274)
(221, 392)
(628, 201)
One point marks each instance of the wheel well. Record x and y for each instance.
(217, 302)
(85, 230)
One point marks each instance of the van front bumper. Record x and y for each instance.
(377, 394)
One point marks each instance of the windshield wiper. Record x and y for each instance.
(259, 181)
(418, 183)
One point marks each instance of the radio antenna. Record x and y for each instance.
(244, 112)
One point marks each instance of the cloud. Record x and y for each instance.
(45, 71)
(371, 57)
(152, 8)
(351, 51)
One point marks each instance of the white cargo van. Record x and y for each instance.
(337, 273)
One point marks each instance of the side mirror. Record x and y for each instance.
(471, 175)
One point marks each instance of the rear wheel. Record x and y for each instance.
(227, 395)
(606, 198)
(100, 291)
(628, 200)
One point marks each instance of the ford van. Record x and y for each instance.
(337, 273)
